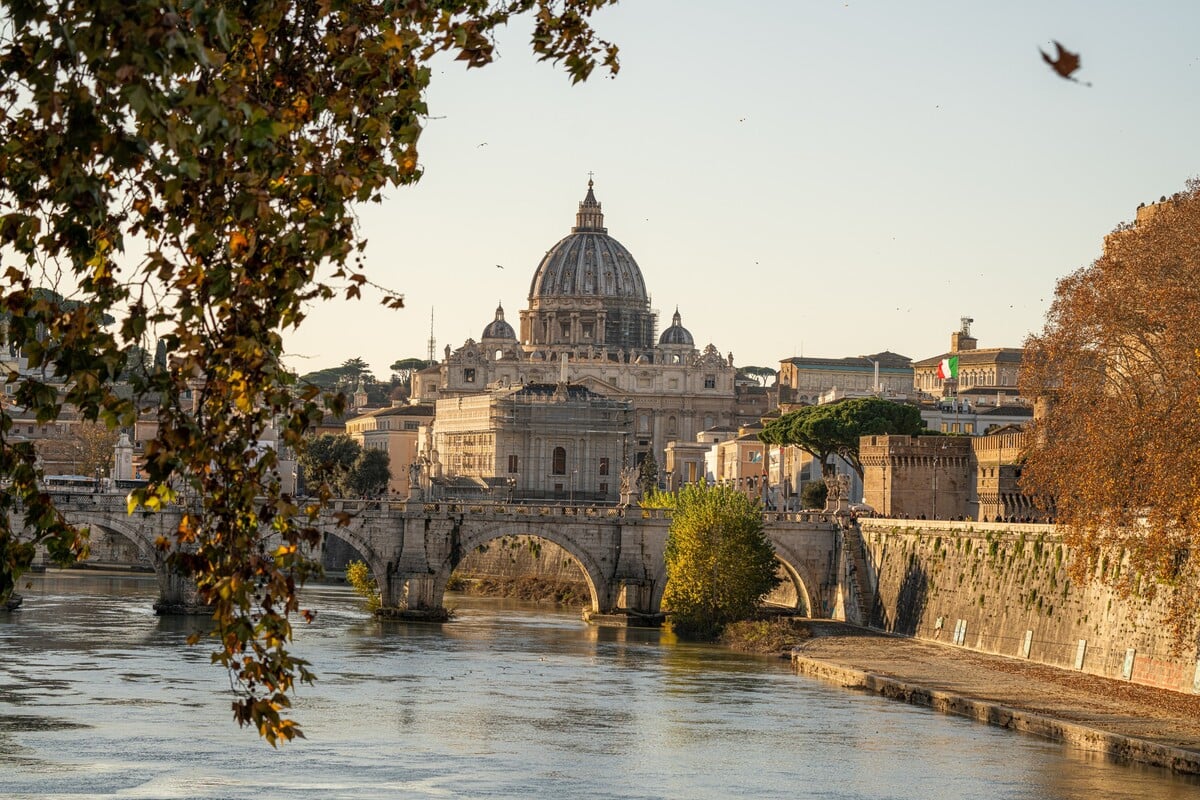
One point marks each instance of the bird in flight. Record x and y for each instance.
(499, 267)
(1064, 63)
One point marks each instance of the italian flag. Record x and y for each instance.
(948, 368)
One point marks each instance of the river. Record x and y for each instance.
(101, 699)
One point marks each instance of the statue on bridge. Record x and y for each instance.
(837, 498)
(630, 492)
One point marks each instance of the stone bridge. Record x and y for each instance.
(413, 548)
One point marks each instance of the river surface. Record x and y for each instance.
(99, 698)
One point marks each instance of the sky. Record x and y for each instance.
(799, 177)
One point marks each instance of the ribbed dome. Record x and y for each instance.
(677, 334)
(588, 262)
(498, 328)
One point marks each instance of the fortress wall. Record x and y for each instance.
(1002, 581)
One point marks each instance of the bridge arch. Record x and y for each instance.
(129, 529)
(598, 584)
(800, 577)
(382, 566)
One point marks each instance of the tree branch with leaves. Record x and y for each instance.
(192, 170)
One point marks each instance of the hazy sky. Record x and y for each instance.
(798, 177)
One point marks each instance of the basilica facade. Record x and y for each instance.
(589, 324)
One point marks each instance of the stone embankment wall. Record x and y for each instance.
(1005, 589)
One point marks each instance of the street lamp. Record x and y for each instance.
(937, 457)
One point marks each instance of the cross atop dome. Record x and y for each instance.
(589, 218)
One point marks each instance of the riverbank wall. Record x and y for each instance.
(1005, 589)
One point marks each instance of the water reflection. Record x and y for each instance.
(99, 698)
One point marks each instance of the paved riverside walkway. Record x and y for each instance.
(1124, 720)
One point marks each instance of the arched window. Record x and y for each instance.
(559, 466)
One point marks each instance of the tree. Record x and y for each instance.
(764, 376)
(347, 374)
(228, 143)
(719, 562)
(403, 370)
(814, 494)
(358, 575)
(93, 444)
(327, 462)
(370, 474)
(647, 479)
(138, 362)
(834, 429)
(1116, 453)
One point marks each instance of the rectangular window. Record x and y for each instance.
(558, 488)
(954, 428)
(513, 464)
(710, 382)
(604, 466)
(945, 427)
(468, 374)
(604, 488)
(968, 427)
(409, 425)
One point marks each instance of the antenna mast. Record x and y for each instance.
(432, 341)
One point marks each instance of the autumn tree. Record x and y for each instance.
(191, 170)
(834, 429)
(93, 444)
(720, 563)
(1116, 370)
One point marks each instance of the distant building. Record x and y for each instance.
(395, 431)
(947, 477)
(975, 414)
(917, 477)
(802, 380)
(695, 462)
(589, 324)
(990, 370)
(531, 442)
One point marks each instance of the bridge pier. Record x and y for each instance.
(412, 596)
(177, 594)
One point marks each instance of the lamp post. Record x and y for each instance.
(937, 458)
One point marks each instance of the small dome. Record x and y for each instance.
(498, 328)
(677, 334)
